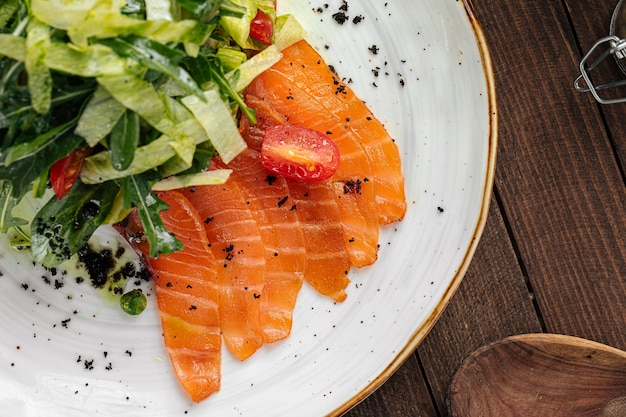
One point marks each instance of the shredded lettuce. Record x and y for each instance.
(212, 177)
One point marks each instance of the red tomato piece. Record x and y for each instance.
(64, 172)
(299, 153)
(262, 28)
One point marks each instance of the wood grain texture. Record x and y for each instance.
(404, 394)
(557, 174)
(540, 375)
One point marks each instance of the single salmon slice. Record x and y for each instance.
(268, 197)
(240, 257)
(354, 197)
(303, 88)
(328, 263)
(187, 296)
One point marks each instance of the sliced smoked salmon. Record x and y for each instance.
(327, 258)
(187, 297)
(268, 198)
(307, 92)
(239, 252)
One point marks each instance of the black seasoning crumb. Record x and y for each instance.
(169, 285)
(340, 17)
(88, 364)
(352, 187)
(105, 353)
(58, 284)
(289, 97)
(256, 296)
(357, 19)
(65, 322)
(129, 353)
(440, 209)
(46, 279)
(208, 220)
(282, 201)
(109, 367)
(25, 286)
(294, 207)
(192, 307)
(271, 179)
(373, 49)
(351, 240)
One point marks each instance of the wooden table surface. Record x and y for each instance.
(552, 257)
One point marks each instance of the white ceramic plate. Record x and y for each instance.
(63, 352)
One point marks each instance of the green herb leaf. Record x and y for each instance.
(137, 192)
(123, 140)
(64, 226)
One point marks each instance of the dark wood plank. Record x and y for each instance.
(557, 174)
(404, 394)
(491, 303)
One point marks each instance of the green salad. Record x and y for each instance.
(104, 102)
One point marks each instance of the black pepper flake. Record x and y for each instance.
(65, 322)
(58, 284)
(282, 201)
(129, 353)
(208, 220)
(357, 19)
(352, 187)
(373, 49)
(169, 285)
(88, 364)
(294, 207)
(25, 286)
(256, 296)
(440, 209)
(271, 179)
(109, 367)
(192, 307)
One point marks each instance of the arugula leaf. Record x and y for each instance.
(64, 226)
(123, 140)
(137, 192)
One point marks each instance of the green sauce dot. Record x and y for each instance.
(133, 302)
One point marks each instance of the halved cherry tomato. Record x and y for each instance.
(262, 28)
(64, 172)
(299, 153)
